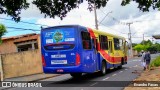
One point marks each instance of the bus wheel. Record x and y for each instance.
(120, 67)
(76, 75)
(122, 62)
(103, 69)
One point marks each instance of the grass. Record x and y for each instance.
(155, 62)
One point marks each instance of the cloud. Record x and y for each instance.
(79, 15)
(31, 12)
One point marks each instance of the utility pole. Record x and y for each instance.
(130, 38)
(95, 12)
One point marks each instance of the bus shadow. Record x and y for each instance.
(85, 80)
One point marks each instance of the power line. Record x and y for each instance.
(112, 29)
(105, 17)
(24, 22)
(146, 20)
(23, 28)
(141, 37)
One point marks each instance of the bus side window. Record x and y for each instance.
(86, 40)
(103, 42)
(116, 44)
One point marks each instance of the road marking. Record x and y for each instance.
(82, 89)
(93, 84)
(114, 74)
(120, 71)
(106, 78)
(135, 66)
(126, 69)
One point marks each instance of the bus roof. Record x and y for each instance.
(96, 31)
(106, 33)
(61, 26)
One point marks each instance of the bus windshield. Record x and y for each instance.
(61, 38)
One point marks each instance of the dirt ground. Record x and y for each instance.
(151, 75)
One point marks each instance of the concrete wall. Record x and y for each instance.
(135, 53)
(8, 46)
(21, 64)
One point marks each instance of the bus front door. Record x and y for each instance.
(111, 51)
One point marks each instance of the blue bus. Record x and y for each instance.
(76, 49)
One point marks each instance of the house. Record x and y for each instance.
(20, 43)
(156, 36)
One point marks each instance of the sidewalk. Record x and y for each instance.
(147, 77)
(134, 57)
(32, 78)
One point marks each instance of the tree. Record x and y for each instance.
(140, 47)
(157, 46)
(134, 44)
(2, 31)
(148, 42)
(148, 46)
(152, 49)
(60, 8)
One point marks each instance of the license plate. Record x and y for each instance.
(58, 61)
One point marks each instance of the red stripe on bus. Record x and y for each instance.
(91, 33)
(113, 60)
(99, 48)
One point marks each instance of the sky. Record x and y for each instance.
(146, 23)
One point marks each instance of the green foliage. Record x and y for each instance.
(144, 5)
(155, 62)
(140, 47)
(13, 8)
(147, 46)
(2, 31)
(148, 42)
(134, 44)
(157, 46)
(152, 48)
(60, 8)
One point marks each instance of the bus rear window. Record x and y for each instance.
(59, 46)
(61, 38)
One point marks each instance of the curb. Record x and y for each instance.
(42, 78)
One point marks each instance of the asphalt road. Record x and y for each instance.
(113, 80)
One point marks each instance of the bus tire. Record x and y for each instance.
(76, 75)
(103, 68)
(122, 62)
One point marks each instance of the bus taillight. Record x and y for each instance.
(77, 59)
(43, 61)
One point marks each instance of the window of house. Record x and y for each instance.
(26, 45)
(103, 42)
(86, 40)
(116, 44)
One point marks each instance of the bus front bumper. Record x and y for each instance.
(63, 70)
